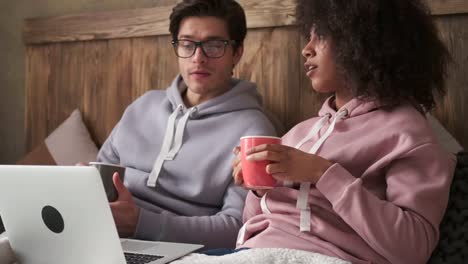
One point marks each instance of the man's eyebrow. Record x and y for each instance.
(207, 38)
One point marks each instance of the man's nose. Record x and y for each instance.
(199, 56)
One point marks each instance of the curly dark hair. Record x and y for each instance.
(228, 10)
(390, 48)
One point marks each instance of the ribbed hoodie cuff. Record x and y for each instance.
(150, 225)
(334, 182)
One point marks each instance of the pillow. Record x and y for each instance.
(448, 142)
(68, 144)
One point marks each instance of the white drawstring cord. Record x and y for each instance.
(340, 115)
(315, 129)
(303, 198)
(241, 235)
(179, 136)
(167, 142)
(263, 204)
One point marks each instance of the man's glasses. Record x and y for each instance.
(211, 48)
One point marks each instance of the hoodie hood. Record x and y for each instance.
(242, 95)
(328, 116)
(355, 107)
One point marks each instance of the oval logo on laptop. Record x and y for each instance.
(53, 219)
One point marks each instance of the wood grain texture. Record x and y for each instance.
(167, 62)
(446, 7)
(142, 22)
(272, 60)
(101, 25)
(103, 76)
(94, 87)
(37, 79)
(116, 94)
(66, 82)
(453, 109)
(145, 72)
(269, 13)
(154, 21)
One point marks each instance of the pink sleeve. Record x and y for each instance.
(252, 206)
(403, 228)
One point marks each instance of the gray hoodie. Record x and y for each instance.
(179, 162)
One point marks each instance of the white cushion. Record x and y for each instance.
(71, 143)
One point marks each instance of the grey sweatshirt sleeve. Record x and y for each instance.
(215, 231)
(107, 152)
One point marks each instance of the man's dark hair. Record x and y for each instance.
(390, 48)
(227, 10)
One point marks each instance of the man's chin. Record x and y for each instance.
(200, 84)
(196, 87)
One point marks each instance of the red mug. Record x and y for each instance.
(254, 172)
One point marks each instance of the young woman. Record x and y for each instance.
(365, 180)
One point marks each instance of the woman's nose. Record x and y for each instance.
(308, 50)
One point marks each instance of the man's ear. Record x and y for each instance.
(238, 54)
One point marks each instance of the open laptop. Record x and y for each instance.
(60, 215)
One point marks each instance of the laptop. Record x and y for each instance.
(60, 215)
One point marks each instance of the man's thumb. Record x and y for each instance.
(121, 189)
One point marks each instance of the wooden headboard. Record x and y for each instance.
(101, 62)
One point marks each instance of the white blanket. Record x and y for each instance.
(255, 255)
(262, 256)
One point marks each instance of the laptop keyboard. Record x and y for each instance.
(133, 258)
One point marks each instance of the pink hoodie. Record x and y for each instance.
(381, 202)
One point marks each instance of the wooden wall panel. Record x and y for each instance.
(453, 109)
(250, 66)
(166, 64)
(37, 79)
(104, 75)
(272, 59)
(66, 82)
(99, 25)
(142, 22)
(94, 87)
(145, 67)
(154, 21)
(117, 86)
(446, 7)
(154, 64)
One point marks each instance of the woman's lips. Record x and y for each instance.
(310, 69)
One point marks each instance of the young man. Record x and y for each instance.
(176, 144)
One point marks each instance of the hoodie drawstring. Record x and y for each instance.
(166, 152)
(313, 131)
(303, 197)
(179, 136)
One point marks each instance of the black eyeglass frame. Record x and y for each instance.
(199, 44)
